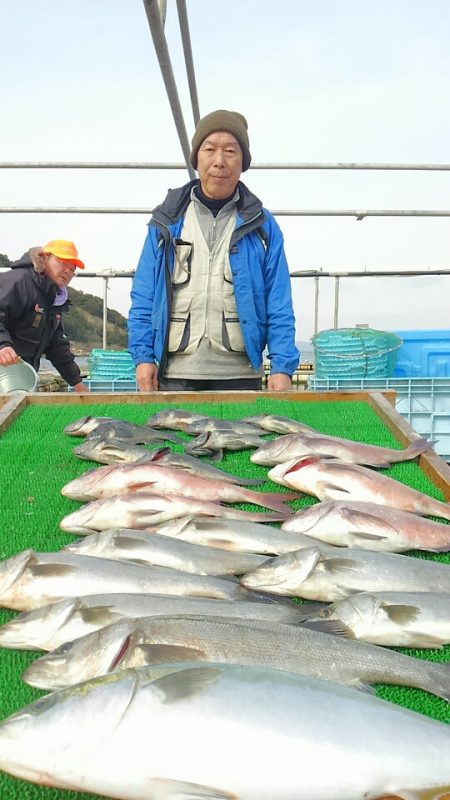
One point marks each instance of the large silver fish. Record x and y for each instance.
(369, 526)
(112, 428)
(329, 479)
(271, 423)
(151, 477)
(164, 551)
(296, 445)
(395, 619)
(143, 510)
(235, 535)
(212, 732)
(329, 573)
(49, 626)
(136, 643)
(30, 580)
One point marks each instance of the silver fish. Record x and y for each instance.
(164, 551)
(77, 738)
(234, 535)
(271, 423)
(136, 643)
(30, 580)
(49, 626)
(114, 451)
(329, 479)
(176, 419)
(213, 443)
(369, 526)
(151, 477)
(329, 573)
(297, 445)
(202, 468)
(234, 426)
(395, 619)
(111, 428)
(142, 510)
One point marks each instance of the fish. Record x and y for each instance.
(29, 580)
(328, 573)
(234, 426)
(115, 451)
(369, 526)
(272, 423)
(136, 643)
(76, 738)
(297, 445)
(393, 619)
(50, 626)
(213, 443)
(329, 479)
(202, 468)
(111, 428)
(164, 551)
(143, 510)
(234, 535)
(168, 481)
(176, 419)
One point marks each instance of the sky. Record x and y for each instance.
(322, 81)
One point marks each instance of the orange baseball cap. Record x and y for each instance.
(66, 251)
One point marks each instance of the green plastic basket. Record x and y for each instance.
(355, 353)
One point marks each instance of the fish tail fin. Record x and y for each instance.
(419, 446)
(437, 680)
(431, 793)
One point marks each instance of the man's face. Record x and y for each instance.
(59, 271)
(219, 164)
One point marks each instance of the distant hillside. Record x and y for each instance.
(83, 323)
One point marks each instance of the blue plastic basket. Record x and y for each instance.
(110, 365)
(355, 353)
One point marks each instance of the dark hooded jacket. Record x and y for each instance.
(29, 322)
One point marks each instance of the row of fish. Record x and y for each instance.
(281, 648)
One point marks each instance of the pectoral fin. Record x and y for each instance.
(162, 653)
(400, 614)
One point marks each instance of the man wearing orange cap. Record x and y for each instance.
(33, 294)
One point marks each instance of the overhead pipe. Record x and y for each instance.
(188, 59)
(159, 40)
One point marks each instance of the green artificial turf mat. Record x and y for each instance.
(36, 460)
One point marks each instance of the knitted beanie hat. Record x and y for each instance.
(230, 121)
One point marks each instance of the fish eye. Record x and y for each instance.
(325, 613)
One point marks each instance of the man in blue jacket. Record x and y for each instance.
(212, 287)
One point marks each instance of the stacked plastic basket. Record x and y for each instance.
(355, 353)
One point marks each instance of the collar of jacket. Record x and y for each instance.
(45, 284)
(177, 200)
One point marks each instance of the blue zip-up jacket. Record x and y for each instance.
(261, 284)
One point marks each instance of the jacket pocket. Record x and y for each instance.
(182, 262)
(180, 325)
(231, 328)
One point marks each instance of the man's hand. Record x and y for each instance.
(279, 382)
(81, 388)
(147, 377)
(8, 356)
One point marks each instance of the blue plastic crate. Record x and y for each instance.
(423, 402)
(355, 353)
(424, 353)
(110, 365)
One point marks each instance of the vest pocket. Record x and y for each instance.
(231, 328)
(180, 325)
(182, 262)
